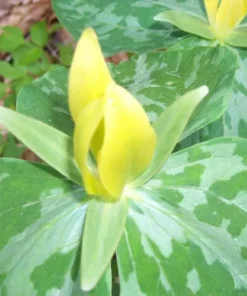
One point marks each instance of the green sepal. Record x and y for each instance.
(186, 22)
(51, 145)
(102, 232)
(169, 127)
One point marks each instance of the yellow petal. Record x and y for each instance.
(211, 8)
(89, 75)
(98, 139)
(86, 125)
(230, 14)
(129, 141)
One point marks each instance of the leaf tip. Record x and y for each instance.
(158, 17)
(204, 90)
(87, 286)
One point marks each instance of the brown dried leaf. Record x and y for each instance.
(23, 13)
(117, 58)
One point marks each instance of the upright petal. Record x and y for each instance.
(230, 14)
(129, 141)
(211, 8)
(97, 140)
(89, 75)
(86, 125)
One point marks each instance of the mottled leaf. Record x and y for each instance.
(186, 233)
(194, 7)
(121, 25)
(156, 80)
(235, 118)
(46, 100)
(130, 25)
(234, 121)
(193, 41)
(41, 218)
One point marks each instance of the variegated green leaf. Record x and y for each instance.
(194, 7)
(46, 100)
(41, 218)
(130, 25)
(186, 232)
(121, 25)
(193, 41)
(156, 79)
(234, 121)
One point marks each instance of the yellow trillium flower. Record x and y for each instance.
(110, 124)
(225, 15)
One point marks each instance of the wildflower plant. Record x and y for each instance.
(116, 199)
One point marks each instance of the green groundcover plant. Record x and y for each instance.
(113, 210)
(24, 59)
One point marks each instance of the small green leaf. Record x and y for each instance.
(103, 229)
(54, 28)
(39, 68)
(11, 39)
(11, 72)
(186, 22)
(27, 54)
(169, 127)
(238, 37)
(39, 33)
(66, 53)
(53, 146)
(6, 69)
